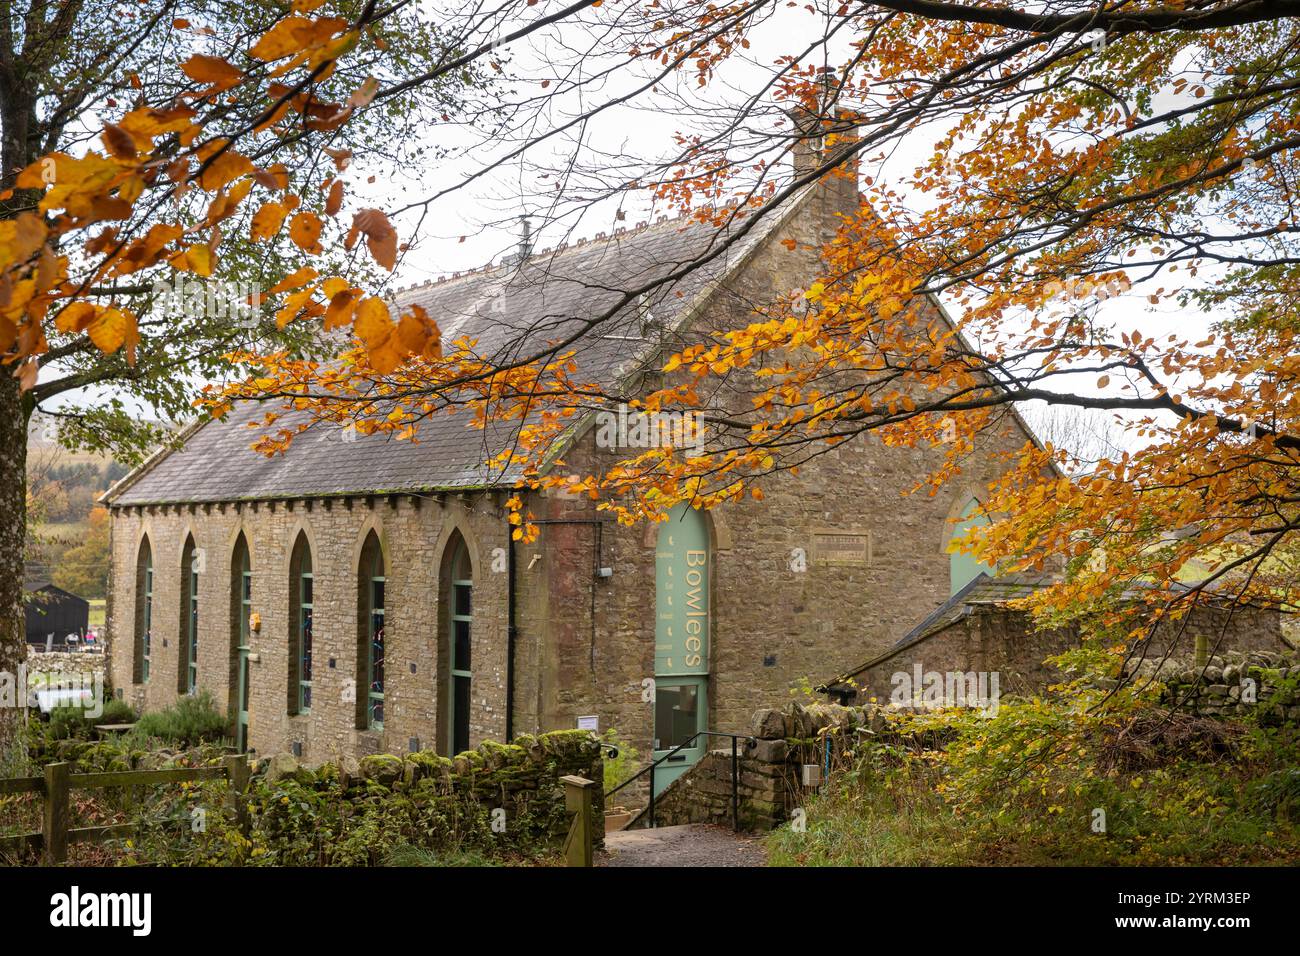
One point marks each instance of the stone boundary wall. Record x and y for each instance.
(1225, 686)
(62, 662)
(521, 777)
(770, 766)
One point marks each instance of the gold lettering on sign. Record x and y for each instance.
(696, 604)
(837, 547)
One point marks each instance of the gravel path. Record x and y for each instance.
(694, 845)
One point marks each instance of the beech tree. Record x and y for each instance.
(1063, 160)
(65, 64)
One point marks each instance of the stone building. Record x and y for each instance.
(978, 631)
(358, 596)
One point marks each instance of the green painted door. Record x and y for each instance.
(683, 568)
(681, 709)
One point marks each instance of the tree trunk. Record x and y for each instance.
(13, 542)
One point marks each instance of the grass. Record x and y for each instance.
(98, 607)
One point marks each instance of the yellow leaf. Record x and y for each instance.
(296, 279)
(112, 330)
(75, 317)
(372, 323)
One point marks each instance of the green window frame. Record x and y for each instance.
(305, 608)
(192, 681)
(245, 600)
(146, 615)
(375, 663)
(460, 634)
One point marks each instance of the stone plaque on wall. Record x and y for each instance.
(842, 547)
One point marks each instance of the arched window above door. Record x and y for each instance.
(963, 567)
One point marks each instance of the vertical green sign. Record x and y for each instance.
(682, 569)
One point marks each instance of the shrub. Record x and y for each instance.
(618, 769)
(73, 721)
(187, 723)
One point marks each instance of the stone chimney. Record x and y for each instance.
(525, 247)
(819, 140)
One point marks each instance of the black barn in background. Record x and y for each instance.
(52, 610)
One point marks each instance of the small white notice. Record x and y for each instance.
(590, 722)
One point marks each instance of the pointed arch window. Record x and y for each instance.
(458, 591)
(371, 587)
(962, 567)
(302, 602)
(143, 611)
(241, 610)
(187, 678)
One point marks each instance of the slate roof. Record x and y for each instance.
(547, 297)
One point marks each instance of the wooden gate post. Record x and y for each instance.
(55, 831)
(238, 772)
(577, 800)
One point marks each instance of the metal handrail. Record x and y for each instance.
(735, 772)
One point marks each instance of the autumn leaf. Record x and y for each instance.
(304, 230)
(118, 142)
(295, 280)
(224, 169)
(212, 70)
(294, 35)
(197, 259)
(335, 200)
(267, 221)
(381, 237)
(75, 317)
(112, 329)
(372, 324)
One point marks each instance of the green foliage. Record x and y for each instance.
(1025, 787)
(618, 769)
(83, 569)
(188, 722)
(73, 721)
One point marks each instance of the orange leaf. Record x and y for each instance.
(225, 168)
(339, 313)
(300, 278)
(293, 35)
(381, 237)
(212, 70)
(119, 142)
(335, 201)
(113, 329)
(304, 230)
(75, 317)
(268, 221)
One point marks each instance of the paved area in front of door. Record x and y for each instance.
(691, 845)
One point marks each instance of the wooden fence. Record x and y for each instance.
(59, 781)
(577, 801)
